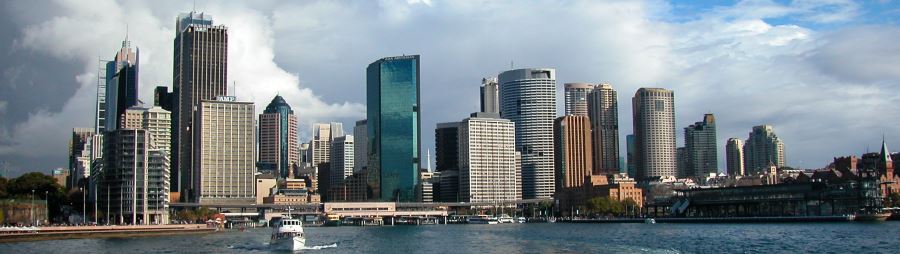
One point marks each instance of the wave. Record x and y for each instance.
(319, 247)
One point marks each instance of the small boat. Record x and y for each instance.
(873, 216)
(481, 219)
(649, 221)
(521, 220)
(288, 235)
(505, 218)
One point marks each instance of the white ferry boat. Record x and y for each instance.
(288, 235)
(481, 219)
(505, 218)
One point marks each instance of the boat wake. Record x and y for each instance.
(319, 247)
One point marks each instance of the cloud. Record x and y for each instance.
(750, 63)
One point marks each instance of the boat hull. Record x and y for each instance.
(291, 244)
(873, 217)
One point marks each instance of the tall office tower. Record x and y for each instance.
(761, 149)
(305, 154)
(156, 120)
(528, 99)
(654, 132)
(489, 91)
(278, 148)
(134, 183)
(630, 159)
(681, 161)
(702, 152)
(487, 159)
(323, 134)
(734, 156)
(163, 98)
(199, 73)
(121, 84)
(576, 96)
(573, 156)
(446, 156)
(80, 148)
(446, 142)
(360, 146)
(225, 154)
(341, 159)
(603, 110)
(394, 122)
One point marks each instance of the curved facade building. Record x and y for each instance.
(528, 99)
(278, 147)
(576, 96)
(654, 132)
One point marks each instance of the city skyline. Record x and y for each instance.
(806, 145)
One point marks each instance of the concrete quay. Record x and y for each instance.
(76, 232)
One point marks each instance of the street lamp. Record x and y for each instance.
(32, 208)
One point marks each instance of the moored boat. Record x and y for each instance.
(481, 219)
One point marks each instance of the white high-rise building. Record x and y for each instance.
(654, 132)
(487, 159)
(225, 152)
(576, 97)
(734, 156)
(341, 159)
(528, 99)
(323, 134)
(489, 92)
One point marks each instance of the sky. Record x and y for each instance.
(825, 74)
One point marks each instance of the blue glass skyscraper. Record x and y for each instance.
(392, 88)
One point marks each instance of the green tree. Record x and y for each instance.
(606, 206)
(3, 186)
(892, 200)
(42, 187)
(630, 206)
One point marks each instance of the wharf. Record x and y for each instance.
(75, 232)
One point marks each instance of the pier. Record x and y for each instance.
(55, 233)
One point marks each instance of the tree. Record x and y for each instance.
(630, 206)
(892, 200)
(42, 187)
(605, 206)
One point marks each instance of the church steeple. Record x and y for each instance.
(885, 154)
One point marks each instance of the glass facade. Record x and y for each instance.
(393, 128)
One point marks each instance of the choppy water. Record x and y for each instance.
(519, 238)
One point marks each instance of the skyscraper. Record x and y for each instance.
(576, 98)
(654, 132)
(630, 159)
(341, 161)
(360, 146)
(446, 155)
(225, 153)
(80, 148)
(528, 99)
(603, 110)
(121, 84)
(487, 159)
(278, 148)
(446, 143)
(734, 156)
(323, 134)
(763, 148)
(489, 92)
(573, 156)
(199, 73)
(702, 152)
(392, 88)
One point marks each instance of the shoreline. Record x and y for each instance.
(786, 219)
(81, 232)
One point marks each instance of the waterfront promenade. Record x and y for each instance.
(74, 232)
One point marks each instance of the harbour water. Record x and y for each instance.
(836, 237)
